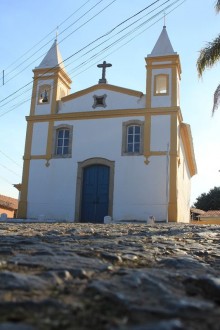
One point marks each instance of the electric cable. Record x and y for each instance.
(44, 38)
(94, 16)
(14, 162)
(77, 52)
(106, 48)
(137, 28)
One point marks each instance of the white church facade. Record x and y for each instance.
(107, 150)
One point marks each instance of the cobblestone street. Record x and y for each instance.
(121, 276)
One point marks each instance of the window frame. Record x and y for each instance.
(56, 130)
(125, 126)
(166, 76)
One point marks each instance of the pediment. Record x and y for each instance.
(106, 87)
(102, 97)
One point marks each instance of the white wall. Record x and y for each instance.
(160, 132)
(114, 100)
(51, 190)
(39, 139)
(139, 189)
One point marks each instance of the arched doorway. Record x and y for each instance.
(94, 191)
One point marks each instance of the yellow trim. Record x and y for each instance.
(33, 97)
(43, 73)
(171, 62)
(158, 61)
(49, 151)
(174, 88)
(148, 87)
(147, 137)
(38, 157)
(102, 86)
(104, 114)
(22, 205)
(186, 138)
(158, 153)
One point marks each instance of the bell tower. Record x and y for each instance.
(163, 74)
(162, 99)
(51, 83)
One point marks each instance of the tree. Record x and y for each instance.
(209, 201)
(210, 55)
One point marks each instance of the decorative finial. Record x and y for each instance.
(104, 65)
(57, 32)
(164, 19)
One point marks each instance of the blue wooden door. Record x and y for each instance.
(95, 193)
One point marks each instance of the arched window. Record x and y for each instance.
(63, 141)
(161, 84)
(132, 137)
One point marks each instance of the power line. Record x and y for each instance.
(8, 169)
(58, 64)
(115, 42)
(103, 50)
(45, 37)
(131, 38)
(77, 52)
(6, 180)
(14, 162)
(88, 11)
(118, 40)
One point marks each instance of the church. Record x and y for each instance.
(107, 150)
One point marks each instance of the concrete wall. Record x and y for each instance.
(114, 100)
(139, 189)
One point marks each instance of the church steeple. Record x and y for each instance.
(163, 45)
(53, 58)
(163, 74)
(51, 83)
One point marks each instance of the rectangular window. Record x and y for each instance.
(161, 84)
(63, 141)
(133, 138)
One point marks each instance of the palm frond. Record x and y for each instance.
(216, 100)
(217, 6)
(209, 55)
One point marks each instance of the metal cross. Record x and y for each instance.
(104, 65)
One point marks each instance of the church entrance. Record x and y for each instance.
(95, 193)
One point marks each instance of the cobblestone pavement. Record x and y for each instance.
(109, 277)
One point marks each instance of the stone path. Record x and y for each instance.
(109, 277)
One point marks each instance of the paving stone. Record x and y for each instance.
(109, 277)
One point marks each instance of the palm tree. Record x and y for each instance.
(209, 55)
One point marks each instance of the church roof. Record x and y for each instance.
(8, 202)
(53, 58)
(163, 45)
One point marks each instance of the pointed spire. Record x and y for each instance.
(52, 59)
(163, 45)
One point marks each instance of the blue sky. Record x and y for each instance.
(25, 23)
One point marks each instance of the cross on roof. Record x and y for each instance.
(104, 65)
